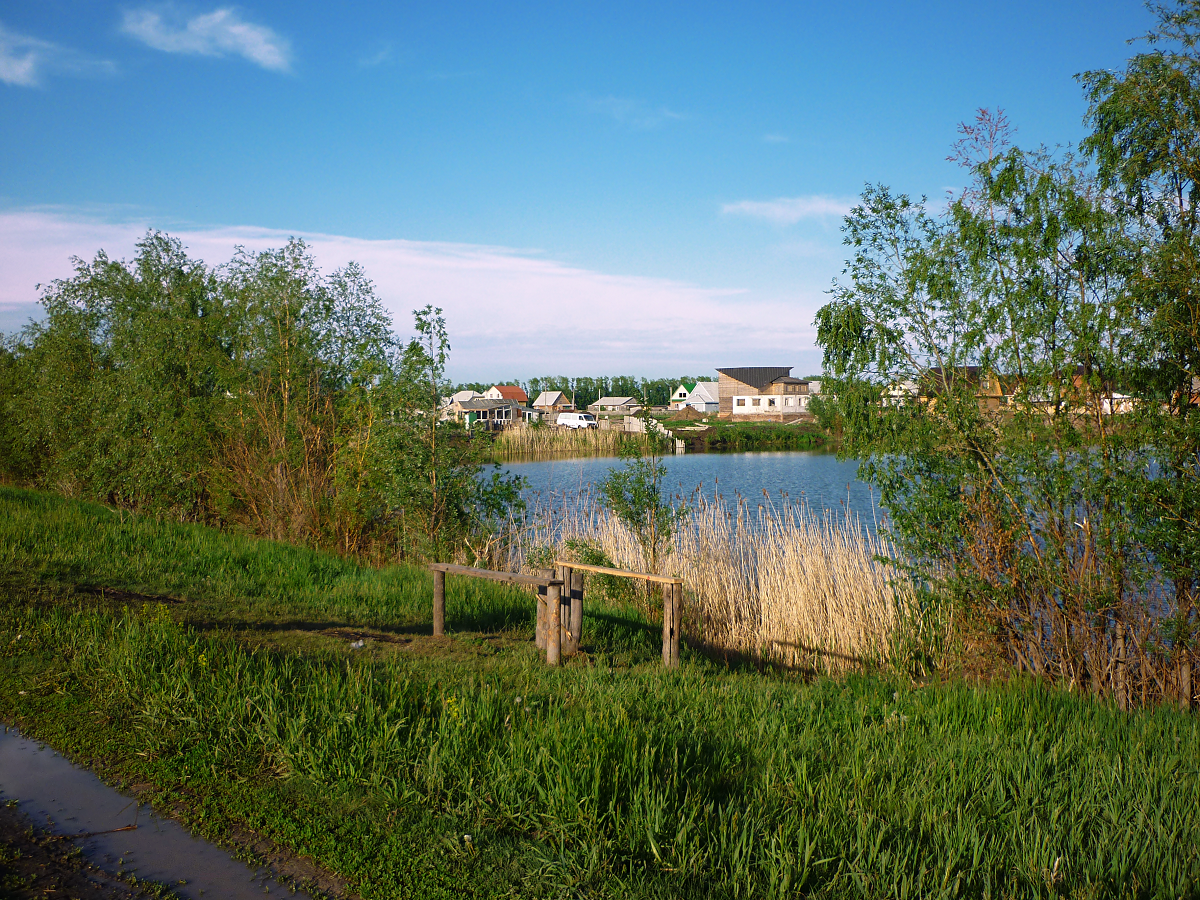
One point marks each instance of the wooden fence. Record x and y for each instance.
(560, 604)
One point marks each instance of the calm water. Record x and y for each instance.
(816, 478)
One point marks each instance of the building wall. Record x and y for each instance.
(769, 405)
(727, 389)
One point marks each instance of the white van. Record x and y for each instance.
(577, 420)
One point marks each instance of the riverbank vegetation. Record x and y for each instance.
(1021, 375)
(261, 396)
(219, 672)
(769, 581)
(545, 440)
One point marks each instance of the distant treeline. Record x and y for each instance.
(588, 390)
(260, 395)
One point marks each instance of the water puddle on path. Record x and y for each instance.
(68, 800)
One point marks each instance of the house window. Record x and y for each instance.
(741, 401)
(789, 401)
(771, 401)
(755, 402)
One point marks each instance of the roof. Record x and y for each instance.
(758, 377)
(550, 398)
(704, 390)
(483, 403)
(465, 395)
(511, 392)
(689, 386)
(616, 401)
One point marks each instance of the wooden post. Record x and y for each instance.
(668, 624)
(1185, 680)
(677, 620)
(539, 633)
(439, 603)
(554, 624)
(576, 609)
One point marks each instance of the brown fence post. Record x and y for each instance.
(554, 624)
(1185, 680)
(668, 624)
(576, 609)
(439, 603)
(539, 633)
(677, 620)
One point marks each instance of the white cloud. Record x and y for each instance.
(218, 33)
(510, 313)
(790, 210)
(378, 58)
(24, 60)
(631, 112)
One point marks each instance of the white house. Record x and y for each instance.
(506, 392)
(702, 397)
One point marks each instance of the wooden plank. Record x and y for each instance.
(659, 579)
(506, 577)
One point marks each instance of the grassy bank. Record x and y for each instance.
(220, 671)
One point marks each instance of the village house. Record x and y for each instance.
(553, 402)
(460, 396)
(627, 405)
(506, 392)
(489, 414)
(767, 393)
(701, 396)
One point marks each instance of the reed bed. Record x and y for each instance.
(526, 442)
(775, 582)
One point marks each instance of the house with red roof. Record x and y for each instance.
(506, 392)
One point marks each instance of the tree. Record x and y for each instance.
(1146, 144)
(436, 473)
(972, 356)
(634, 494)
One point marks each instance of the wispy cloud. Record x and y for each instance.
(496, 299)
(631, 112)
(25, 60)
(790, 210)
(221, 32)
(776, 139)
(385, 54)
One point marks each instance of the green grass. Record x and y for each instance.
(608, 777)
(725, 435)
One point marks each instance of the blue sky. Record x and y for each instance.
(659, 185)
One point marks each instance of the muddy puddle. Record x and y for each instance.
(69, 800)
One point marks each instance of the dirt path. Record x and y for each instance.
(36, 863)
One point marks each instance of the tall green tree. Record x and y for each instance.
(1146, 144)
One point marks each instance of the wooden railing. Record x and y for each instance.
(560, 604)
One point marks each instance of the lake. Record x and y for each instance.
(813, 477)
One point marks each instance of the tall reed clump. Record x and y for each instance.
(523, 442)
(773, 582)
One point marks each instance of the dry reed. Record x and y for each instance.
(777, 583)
(519, 442)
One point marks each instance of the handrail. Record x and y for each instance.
(659, 579)
(507, 577)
